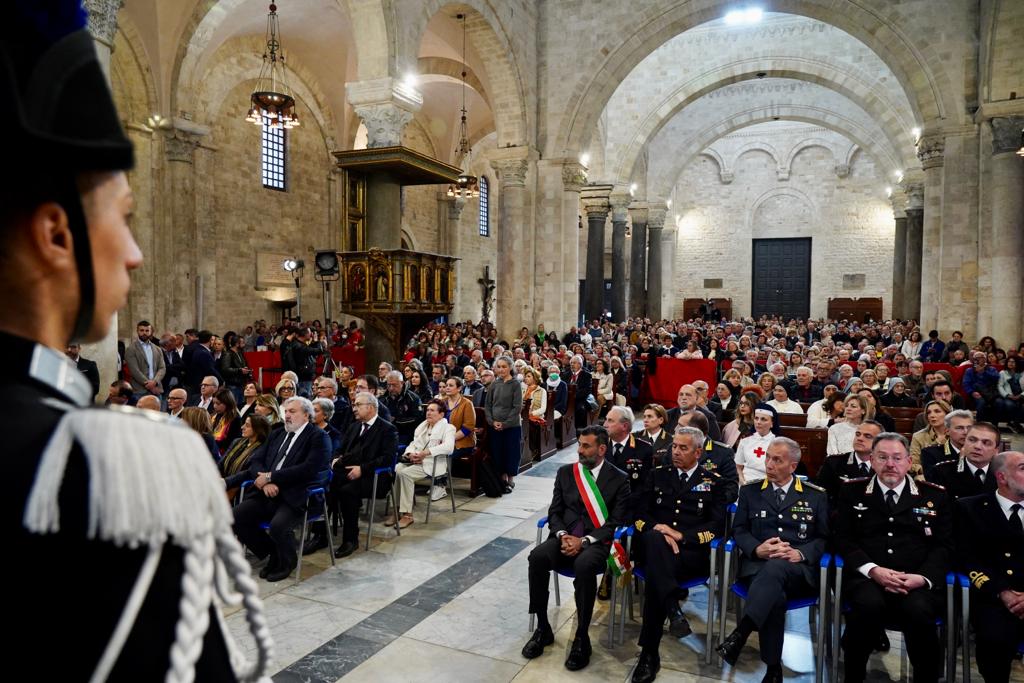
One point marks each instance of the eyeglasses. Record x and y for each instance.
(360, 405)
(894, 459)
(207, 385)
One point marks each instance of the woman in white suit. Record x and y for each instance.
(433, 437)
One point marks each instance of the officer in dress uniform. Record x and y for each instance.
(990, 544)
(683, 511)
(781, 526)
(841, 468)
(130, 497)
(971, 473)
(958, 423)
(714, 456)
(895, 536)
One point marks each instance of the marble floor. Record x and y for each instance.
(447, 601)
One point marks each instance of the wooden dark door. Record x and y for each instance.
(782, 278)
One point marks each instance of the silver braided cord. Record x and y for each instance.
(193, 610)
(229, 552)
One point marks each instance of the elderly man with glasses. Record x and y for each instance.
(895, 535)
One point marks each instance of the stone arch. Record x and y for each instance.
(930, 91)
(490, 39)
(725, 173)
(757, 145)
(131, 77)
(452, 69)
(802, 113)
(801, 146)
(766, 200)
(854, 86)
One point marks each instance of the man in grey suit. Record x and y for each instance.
(146, 364)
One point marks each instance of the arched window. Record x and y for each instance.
(485, 213)
(273, 153)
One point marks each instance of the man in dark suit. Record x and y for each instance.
(281, 469)
(971, 474)
(838, 469)
(683, 511)
(201, 364)
(579, 540)
(85, 366)
(480, 395)
(584, 383)
(781, 525)
(369, 443)
(714, 456)
(688, 403)
(989, 542)
(958, 423)
(895, 535)
(628, 453)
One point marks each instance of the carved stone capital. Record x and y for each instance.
(574, 176)
(181, 146)
(842, 170)
(656, 218)
(620, 206)
(782, 172)
(384, 123)
(103, 19)
(511, 172)
(727, 177)
(1006, 134)
(455, 207)
(915, 196)
(596, 200)
(638, 212)
(930, 150)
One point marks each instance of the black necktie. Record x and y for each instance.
(618, 452)
(283, 452)
(890, 498)
(1015, 524)
(363, 430)
(780, 495)
(979, 474)
(864, 469)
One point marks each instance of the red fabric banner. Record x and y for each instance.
(270, 363)
(663, 386)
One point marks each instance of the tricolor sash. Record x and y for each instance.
(593, 501)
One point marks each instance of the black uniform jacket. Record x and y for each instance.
(694, 507)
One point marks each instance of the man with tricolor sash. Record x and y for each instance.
(683, 511)
(589, 502)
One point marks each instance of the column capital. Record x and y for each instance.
(1006, 134)
(638, 212)
(103, 19)
(930, 150)
(899, 204)
(596, 199)
(512, 164)
(182, 139)
(574, 176)
(656, 218)
(620, 202)
(385, 106)
(455, 207)
(914, 196)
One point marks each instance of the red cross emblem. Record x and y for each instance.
(759, 451)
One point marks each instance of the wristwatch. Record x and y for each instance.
(585, 542)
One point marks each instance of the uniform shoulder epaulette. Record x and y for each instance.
(945, 462)
(932, 484)
(723, 445)
(857, 480)
(811, 485)
(660, 467)
(711, 473)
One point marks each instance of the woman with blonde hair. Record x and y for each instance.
(285, 389)
(856, 409)
(267, 406)
(934, 433)
(535, 395)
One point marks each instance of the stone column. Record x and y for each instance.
(899, 256)
(385, 106)
(596, 204)
(930, 151)
(515, 248)
(912, 252)
(183, 301)
(655, 255)
(1007, 196)
(574, 178)
(451, 243)
(620, 215)
(638, 261)
(102, 25)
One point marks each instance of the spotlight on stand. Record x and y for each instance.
(295, 266)
(327, 266)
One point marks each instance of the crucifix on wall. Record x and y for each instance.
(488, 290)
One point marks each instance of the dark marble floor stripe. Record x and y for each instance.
(349, 649)
(548, 468)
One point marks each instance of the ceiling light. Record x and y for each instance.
(916, 132)
(750, 15)
(271, 105)
(466, 185)
(585, 159)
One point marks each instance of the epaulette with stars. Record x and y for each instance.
(938, 487)
(813, 486)
(856, 480)
(945, 462)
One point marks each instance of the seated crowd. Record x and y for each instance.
(903, 503)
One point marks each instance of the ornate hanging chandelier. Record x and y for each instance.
(466, 185)
(271, 104)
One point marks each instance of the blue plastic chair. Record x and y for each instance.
(319, 489)
(816, 605)
(389, 499)
(570, 574)
(839, 608)
(696, 582)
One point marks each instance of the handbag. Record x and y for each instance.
(592, 403)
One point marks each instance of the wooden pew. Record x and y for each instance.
(541, 437)
(812, 442)
(904, 425)
(548, 442)
(910, 413)
(566, 429)
(525, 454)
(792, 420)
(480, 451)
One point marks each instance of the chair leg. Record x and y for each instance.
(965, 636)
(837, 622)
(611, 614)
(330, 537)
(722, 613)
(558, 597)
(950, 626)
(430, 497)
(710, 623)
(373, 504)
(302, 543)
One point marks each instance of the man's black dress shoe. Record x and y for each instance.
(269, 567)
(540, 639)
(731, 646)
(773, 674)
(280, 574)
(883, 643)
(678, 626)
(579, 654)
(346, 549)
(313, 543)
(647, 667)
